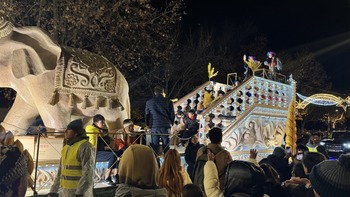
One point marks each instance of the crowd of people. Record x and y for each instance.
(134, 169)
(308, 172)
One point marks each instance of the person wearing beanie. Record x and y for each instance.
(13, 172)
(104, 144)
(279, 162)
(75, 172)
(331, 178)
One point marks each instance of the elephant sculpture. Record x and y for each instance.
(57, 83)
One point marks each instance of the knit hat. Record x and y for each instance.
(279, 152)
(77, 127)
(332, 177)
(13, 165)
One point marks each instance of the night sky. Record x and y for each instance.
(322, 26)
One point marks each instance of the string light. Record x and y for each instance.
(321, 99)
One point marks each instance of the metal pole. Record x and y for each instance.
(36, 165)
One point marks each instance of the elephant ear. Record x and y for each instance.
(38, 54)
(25, 63)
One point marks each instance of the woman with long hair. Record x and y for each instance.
(172, 176)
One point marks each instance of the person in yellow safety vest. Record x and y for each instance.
(75, 172)
(104, 144)
(314, 142)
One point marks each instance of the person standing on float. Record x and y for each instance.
(159, 116)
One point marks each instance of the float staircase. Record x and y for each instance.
(252, 114)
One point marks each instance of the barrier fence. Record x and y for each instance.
(140, 137)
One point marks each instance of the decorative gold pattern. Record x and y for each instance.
(291, 130)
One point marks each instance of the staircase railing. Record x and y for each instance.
(252, 92)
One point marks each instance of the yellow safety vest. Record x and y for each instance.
(71, 169)
(92, 133)
(312, 149)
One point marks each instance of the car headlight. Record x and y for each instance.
(346, 145)
(322, 143)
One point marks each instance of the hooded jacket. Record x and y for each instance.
(138, 173)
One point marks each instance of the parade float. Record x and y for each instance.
(60, 84)
(258, 113)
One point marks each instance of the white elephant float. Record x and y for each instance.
(57, 83)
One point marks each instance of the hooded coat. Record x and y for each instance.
(138, 174)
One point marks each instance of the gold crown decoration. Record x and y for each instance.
(6, 27)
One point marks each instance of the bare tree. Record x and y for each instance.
(310, 76)
(132, 33)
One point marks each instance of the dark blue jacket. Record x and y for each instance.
(190, 156)
(159, 113)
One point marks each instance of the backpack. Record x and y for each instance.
(198, 169)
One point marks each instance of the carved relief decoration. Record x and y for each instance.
(47, 174)
(258, 132)
(83, 72)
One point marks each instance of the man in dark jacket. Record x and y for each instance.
(191, 153)
(159, 116)
(279, 161)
